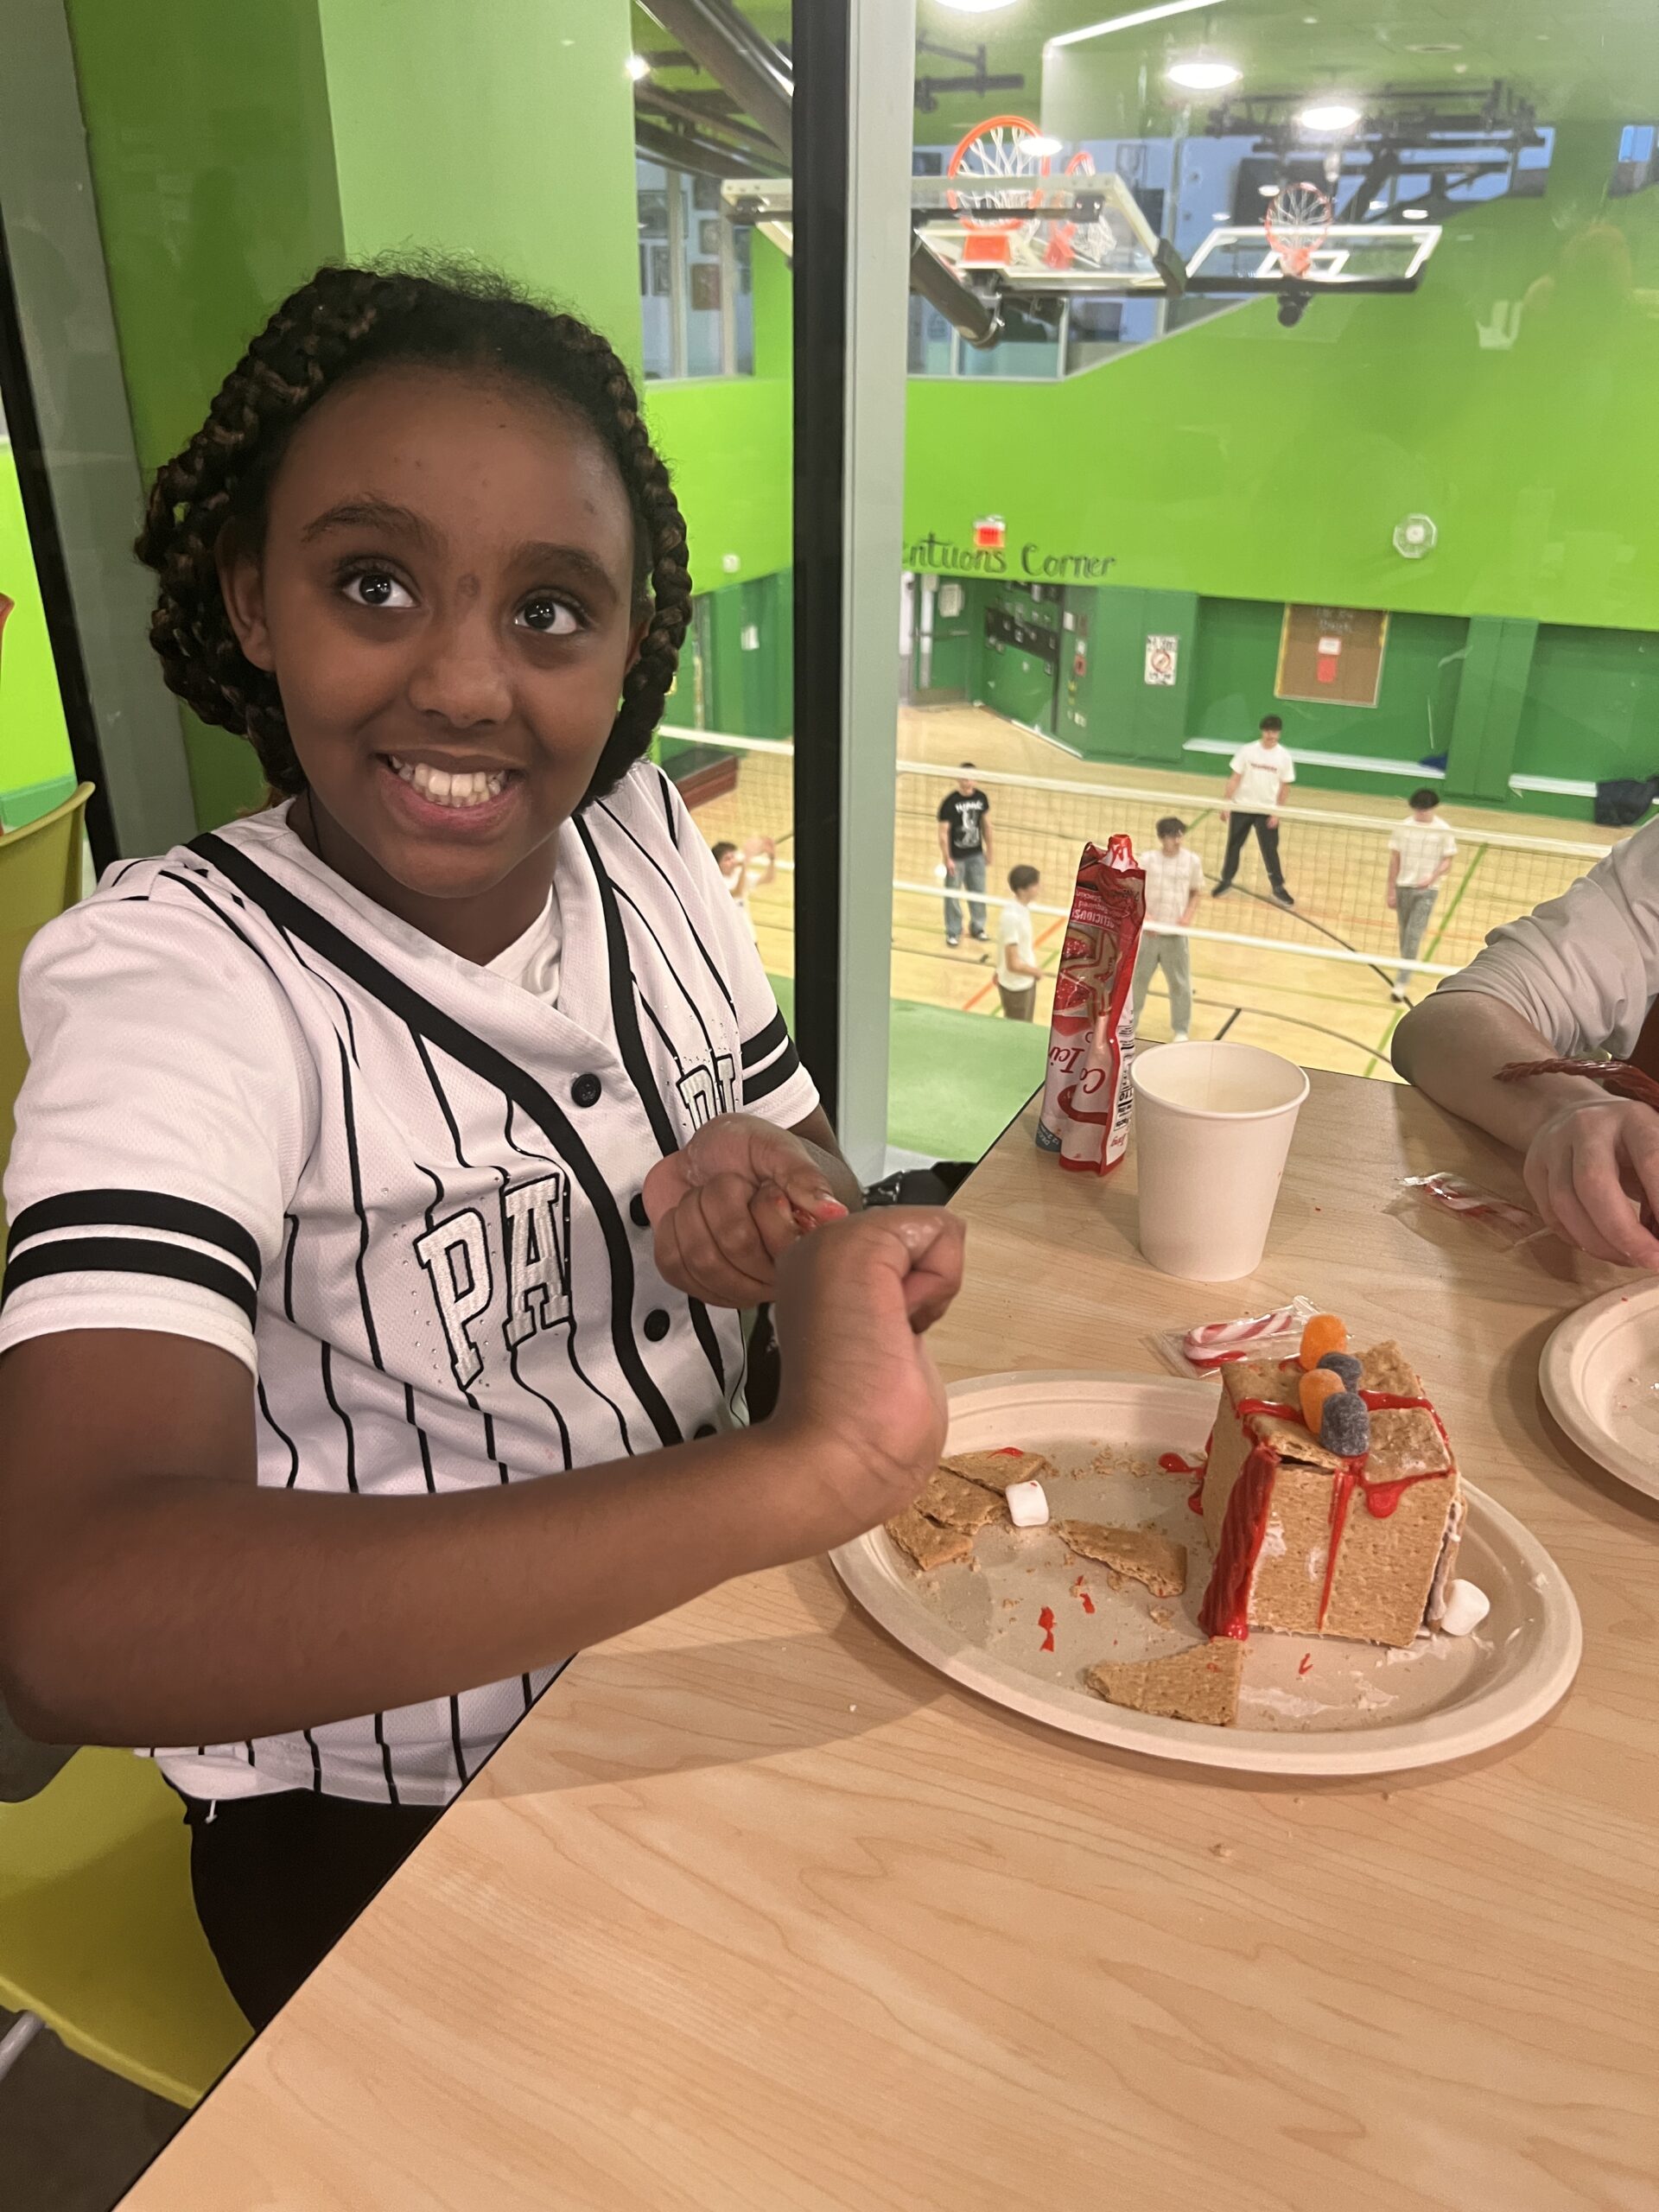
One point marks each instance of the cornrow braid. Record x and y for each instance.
(343, 322)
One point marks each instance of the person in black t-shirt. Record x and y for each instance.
(965, 847)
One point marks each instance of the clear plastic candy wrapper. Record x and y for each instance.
(1208, 1347)
(1503, 1219)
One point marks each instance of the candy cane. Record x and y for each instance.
(1457, 1196)
(1218, 1343)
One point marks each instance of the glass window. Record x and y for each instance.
(696, 294)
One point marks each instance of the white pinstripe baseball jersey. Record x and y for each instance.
(263, 1112)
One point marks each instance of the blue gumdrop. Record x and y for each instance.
(1345, 1424)
(1344, 1364)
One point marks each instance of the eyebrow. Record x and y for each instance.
(369, 514)
(539, 553)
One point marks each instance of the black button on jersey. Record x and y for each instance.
(637, 1213)
(708, 1429)
(656, 1325)
(586, 1089)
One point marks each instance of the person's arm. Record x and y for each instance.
(1588, 1159)
(1189, 914)
(151, 1591)
(1393, 893)
(1230, 793)
(944, 841)
(985, 837)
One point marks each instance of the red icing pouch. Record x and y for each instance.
(1087, 1099)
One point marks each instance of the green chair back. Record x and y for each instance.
(98, 1932)
(39, 876)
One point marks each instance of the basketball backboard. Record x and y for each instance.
(1347, 257)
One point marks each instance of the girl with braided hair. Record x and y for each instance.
(393, 1166)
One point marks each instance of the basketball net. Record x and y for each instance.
(1297, 224)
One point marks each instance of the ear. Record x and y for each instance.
(636, 640)
(242, 588)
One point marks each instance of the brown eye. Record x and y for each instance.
(374, 588)
(549, 617)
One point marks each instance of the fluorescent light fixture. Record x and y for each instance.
(1269, 191)
(1416, 214)
(1329, 115)
(1043, 146)
(1128, 22)
(1202, 76)
(637, 67)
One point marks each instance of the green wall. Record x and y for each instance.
(36, 771)
(502, 132)
(1591, 691)
(749, 677)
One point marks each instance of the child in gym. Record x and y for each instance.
(393, 1165)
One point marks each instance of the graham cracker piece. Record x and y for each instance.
(1403, 1442)
(997, 1470)
(1266, 1380)
(1142, 1554)
(928, 1544)
(1199, 1684)
(955, 1503)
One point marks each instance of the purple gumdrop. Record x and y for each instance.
(1344, 1364)
(1345, 1424)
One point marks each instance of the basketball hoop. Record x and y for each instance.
(1297, 224)
(998, 169)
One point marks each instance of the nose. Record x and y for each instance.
(459, 676)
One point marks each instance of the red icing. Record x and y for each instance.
(1307, 1661)
(1045, 1622)
(1226, 1603)
(1084, 1600)
(1226, 1607)
(1009, 1451)
(1174, 1464)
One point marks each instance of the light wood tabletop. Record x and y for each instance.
(757, 1914)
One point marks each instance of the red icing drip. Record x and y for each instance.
(1246, 1407)
(1307, 1661)
(1045, 1622)
(1226, 1607)
(1195, 1502)
(1009, 1451)
(1088, 1602)
(1174, 1464)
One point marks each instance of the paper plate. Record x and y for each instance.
(1599, 1375)
(1309, 1706)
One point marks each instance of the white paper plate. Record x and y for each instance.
(1599, 1375)
(1309, 1706)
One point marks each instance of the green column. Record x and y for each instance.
(1487, 720)
(1126, 718)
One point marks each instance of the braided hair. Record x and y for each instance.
(344, 321)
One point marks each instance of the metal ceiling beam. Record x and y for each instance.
(735, 55)
(688, 150)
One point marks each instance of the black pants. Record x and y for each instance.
(278, 1879)
(1238, 828)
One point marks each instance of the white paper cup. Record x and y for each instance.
(1212, 1131)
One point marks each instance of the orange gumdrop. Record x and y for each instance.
(1324, 1333)
(1316, 1386)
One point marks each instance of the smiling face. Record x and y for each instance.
(445, 595)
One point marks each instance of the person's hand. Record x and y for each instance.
(1226, 813)
(1394, 904)
(1273, 822)
(860, 1394)
(1589, 1169)
(728, 1205)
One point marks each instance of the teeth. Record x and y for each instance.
(470, 787)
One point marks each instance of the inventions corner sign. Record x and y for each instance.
(946, 555)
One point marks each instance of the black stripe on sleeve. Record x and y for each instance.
(762, 1047)
(350, 1111)
(772, 1079)
(668, 810)
(470, 1052)
(123, 1256)
(136, 1210)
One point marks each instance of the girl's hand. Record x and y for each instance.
(1589, 1169)
(729, 1205)
(861, 1394)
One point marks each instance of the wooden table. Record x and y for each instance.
(756, 1914)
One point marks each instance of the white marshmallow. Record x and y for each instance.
(1028, 1505)
(1466, 1607)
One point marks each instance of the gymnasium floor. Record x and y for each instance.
(953, 1089)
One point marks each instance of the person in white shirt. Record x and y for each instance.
(751, 869)
(1174, 881)
(1578, 975)
(1018, 973)
(1420, 855)
(1262, 774)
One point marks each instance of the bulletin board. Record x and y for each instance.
(1332, 655)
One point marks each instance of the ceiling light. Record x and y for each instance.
(1200, 76)
(1127, 23)
(1042, 146)
(1328, 115)
(1268, 191)
(1416, 214)
(637, 67)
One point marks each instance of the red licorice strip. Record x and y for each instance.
(1618, 1076)
(1045, 1622)
(1226, 1607)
